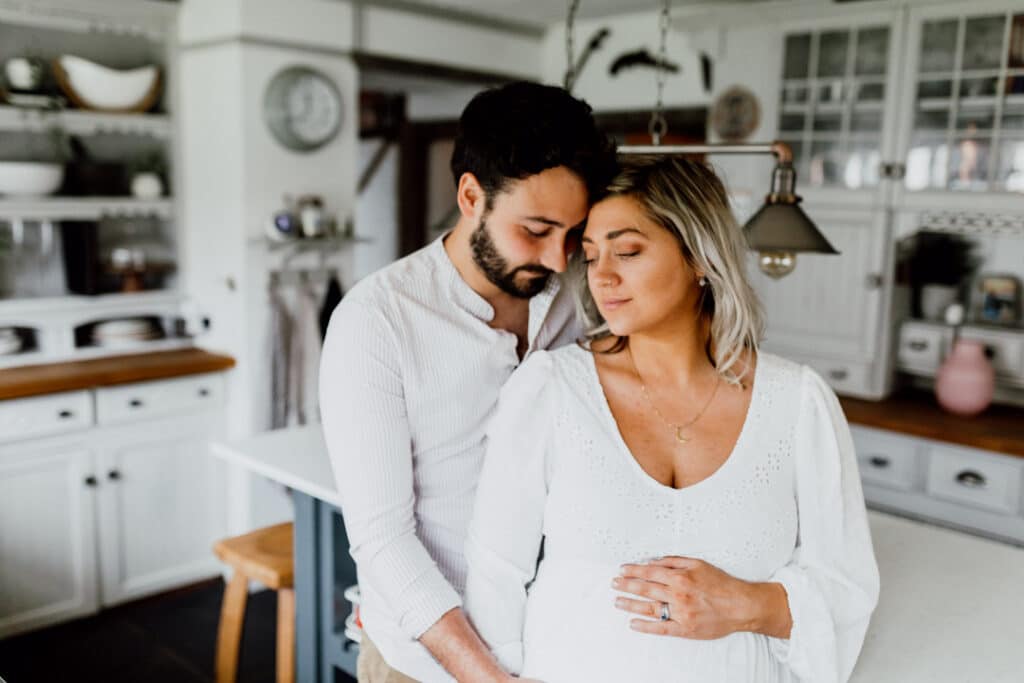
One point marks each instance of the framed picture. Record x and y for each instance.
(996, 299)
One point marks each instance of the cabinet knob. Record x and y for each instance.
(878, 461)
(204, 392)
(838, 374)
(917, 345)
(135, 403)
(91, 481)
(971, 479)
(65, 414)
(874, 281)
(113, 475)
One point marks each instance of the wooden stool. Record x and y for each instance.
(264, 555)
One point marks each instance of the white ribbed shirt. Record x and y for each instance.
(409, 377)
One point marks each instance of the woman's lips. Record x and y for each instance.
(613, 304)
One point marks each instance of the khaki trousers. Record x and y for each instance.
(371, 667)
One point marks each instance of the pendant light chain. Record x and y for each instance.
(658, 127)
(570, 58)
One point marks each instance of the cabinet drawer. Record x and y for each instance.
(1006, 351)
(35, 416)
(842, 376)
(975, 479)
(922, 347)
(885, 460)
(115, 405)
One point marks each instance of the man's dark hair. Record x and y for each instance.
(520, 129)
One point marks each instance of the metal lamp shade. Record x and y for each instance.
(784, 227)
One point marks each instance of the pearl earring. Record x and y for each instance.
(703, 281)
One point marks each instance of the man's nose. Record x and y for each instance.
(555, 257)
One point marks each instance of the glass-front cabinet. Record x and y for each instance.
(834, 95)
(964, 107)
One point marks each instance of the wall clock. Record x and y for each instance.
(302, 107)
(735, 114)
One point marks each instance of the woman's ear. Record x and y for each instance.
(470, 197)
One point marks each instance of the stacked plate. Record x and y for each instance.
(10, 341)
(353, 624)
(124, 333)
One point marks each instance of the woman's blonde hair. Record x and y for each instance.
(686, 198)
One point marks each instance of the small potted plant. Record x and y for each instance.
(938, 266)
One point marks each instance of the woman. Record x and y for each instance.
(715, 483)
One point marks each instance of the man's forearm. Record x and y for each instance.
(456, 645)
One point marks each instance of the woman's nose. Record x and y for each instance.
(603, 274)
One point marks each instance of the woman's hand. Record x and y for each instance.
(704, 602)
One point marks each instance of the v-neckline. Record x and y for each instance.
(623, 447)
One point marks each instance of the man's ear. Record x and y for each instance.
(470, 197)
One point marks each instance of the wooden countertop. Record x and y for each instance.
(915, 412)
(34, 380)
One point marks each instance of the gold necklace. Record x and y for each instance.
(676, 429)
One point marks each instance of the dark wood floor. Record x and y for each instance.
(167, 638)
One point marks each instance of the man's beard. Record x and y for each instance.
(495, 267)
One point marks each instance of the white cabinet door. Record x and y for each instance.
(961, 130)
(161, 506)
(836, 103)
(47, 534)
(831, 304)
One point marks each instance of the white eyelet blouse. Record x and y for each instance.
(786, 506)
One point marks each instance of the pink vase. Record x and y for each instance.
(966, 381)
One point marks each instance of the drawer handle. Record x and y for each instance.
(91, 481)
(838, 374)
(113, 475)
(917, 345)
(879, 461)
(135, 403)
(204, 392)
(971, 479)
(65, 414)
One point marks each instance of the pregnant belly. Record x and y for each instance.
(573, 632)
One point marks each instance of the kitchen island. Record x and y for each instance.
(949, 610)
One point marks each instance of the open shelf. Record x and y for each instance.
(80, 122)
(14, 308)
(83, 208)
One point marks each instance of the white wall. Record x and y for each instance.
(633, 88)
(235, 175)
(421, 38)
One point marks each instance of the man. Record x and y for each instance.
(416, 354)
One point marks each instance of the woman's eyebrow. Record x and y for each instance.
(616, 233)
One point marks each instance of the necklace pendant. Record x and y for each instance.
(679, 436)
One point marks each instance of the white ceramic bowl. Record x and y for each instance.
(29, 178)
(100, 87)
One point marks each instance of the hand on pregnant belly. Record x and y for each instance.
(704, 602)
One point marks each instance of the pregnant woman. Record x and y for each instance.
(698, 500)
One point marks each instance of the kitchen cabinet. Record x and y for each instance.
(968, 488)
(102, 506)
(900, 119)
(159, 508)
(47, 533)
(962, 110)
(923, 345)
(831, 311)
(836, 100)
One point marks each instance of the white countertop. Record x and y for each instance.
(951, 608)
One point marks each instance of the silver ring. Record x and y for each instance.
(665, 616)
